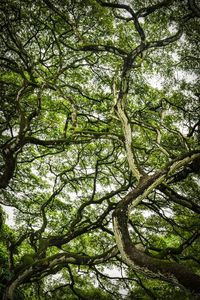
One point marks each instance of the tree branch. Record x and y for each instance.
(164, 270)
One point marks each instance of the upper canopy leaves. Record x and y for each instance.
(99, 113)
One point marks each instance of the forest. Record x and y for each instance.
(99, 150)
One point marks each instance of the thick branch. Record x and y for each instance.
(167, 41)
(177, 198)
(145, 11)
(9, 168)
(129, 10)
(152, 267)
(47, 266)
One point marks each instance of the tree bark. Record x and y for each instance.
(138, 260)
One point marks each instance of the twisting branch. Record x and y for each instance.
(164, 270)
(129, 10)
(128, 141)
(167, 41)
(47, 266)
(126, 126)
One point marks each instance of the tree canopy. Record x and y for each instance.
(100, 149)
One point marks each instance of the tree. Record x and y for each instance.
(100, 156)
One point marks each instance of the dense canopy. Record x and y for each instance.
(100, 149)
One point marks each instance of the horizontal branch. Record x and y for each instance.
(47, 266)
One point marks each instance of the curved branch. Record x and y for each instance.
(47, 266)
(166, 41)
(129, 10)
(128, 141)
(153, 267)
(145, 11)
(149, 266)
(177, 198)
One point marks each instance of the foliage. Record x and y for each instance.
(100, 121)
